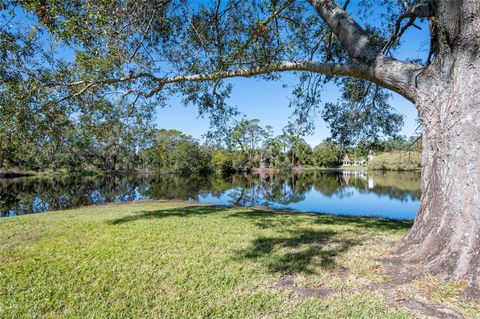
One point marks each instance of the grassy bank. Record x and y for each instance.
(178, 260)
(61, 173)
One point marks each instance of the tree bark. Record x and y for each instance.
(445, 238)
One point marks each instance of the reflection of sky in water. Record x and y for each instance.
(39, 205)
(390, 195)
(351, 201)
(96, 197)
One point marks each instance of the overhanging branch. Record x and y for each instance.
(387, 72)
(281, 66)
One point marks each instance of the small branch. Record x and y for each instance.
(399, 30)
(263, 24)
(420, 9)
(143, 36)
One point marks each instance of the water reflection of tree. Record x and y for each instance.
(287, 188)
(39, 194)
(174, 186)
(327, 183)
(264, 189)
(28, 195)
(402, 186)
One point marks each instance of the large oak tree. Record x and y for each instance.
(146, 50)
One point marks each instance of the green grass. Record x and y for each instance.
(179, 260)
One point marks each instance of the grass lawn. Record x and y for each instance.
(182, 260)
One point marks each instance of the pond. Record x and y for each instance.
(383, 194)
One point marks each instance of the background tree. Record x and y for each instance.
(276, 150)
(174, 151)
(299, 152)
(222, 161)
(248, 136)
(326, 154)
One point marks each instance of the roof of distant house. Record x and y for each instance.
(346, 158)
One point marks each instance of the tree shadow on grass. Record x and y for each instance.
(300, 251)
(268, 218)
(368, 223)
(186, 211)
(293, 248)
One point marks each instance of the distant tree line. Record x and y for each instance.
(110, 142)
(94, 139)
(250, 146)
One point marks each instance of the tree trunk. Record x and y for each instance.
(445, 238)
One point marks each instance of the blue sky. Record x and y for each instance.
(268, 101)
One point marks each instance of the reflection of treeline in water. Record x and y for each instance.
(285, 188)
(407, 181)
(404, 186)
(26, 195)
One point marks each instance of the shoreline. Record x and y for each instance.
(49, 174)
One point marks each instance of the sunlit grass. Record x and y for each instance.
(175, 260)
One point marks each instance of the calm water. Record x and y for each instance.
(385, 194)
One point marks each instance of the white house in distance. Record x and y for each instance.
(346, 161)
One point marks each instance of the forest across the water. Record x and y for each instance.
(116, 146)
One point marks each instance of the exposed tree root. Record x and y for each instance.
(426, 309)
(403, 272)
(389, 288)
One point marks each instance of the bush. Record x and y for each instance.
(396, 161)
(222, 162)
(326, 154)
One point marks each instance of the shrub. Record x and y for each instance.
(396, 161)
(222, 162)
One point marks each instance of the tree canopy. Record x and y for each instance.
(75, 55)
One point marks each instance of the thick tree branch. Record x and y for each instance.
(281, 66)
(387, 72)
(352, 36)
(330, 41)
(325, 68)
(395, 75)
